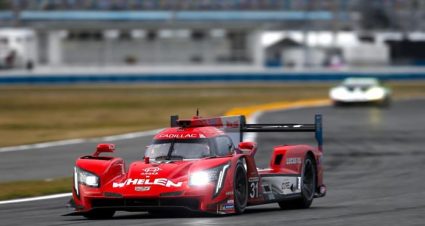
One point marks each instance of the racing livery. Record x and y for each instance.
(201, 164)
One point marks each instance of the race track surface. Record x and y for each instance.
(375, 162)
(58, 161)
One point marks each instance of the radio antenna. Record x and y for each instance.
(197, 112)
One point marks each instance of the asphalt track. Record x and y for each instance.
(374, 172)
(58, 161)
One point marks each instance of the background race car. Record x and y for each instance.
(360, 90)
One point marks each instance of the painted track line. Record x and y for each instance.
(56, 196)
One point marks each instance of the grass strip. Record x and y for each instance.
(24, 189)
(32, 114)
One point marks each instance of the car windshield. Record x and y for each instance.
(176, 149)
(360, 82)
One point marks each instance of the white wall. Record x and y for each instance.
(159, 51)
(23, 42)
(367, 54)
(296, 57)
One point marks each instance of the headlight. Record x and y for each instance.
(199, 178)
(214, 175)
(76, 188)
(83, 177)
(375, 93)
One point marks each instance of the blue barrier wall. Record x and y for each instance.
(202, 77)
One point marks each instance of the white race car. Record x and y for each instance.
(360, 90)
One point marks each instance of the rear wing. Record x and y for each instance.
(316, 127)
(236, 126)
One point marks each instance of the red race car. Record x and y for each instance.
(195, 165)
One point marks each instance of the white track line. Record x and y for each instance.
(79, 141)
(250, 137)
(36, 198)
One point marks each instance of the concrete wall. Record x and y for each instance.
(367, 54)
(145, 52)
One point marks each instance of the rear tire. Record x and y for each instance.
(99, 214)
(240, 188)
(308, 187)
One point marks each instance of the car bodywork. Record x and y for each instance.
(197, 182)
(360, 90)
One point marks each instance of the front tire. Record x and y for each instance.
(386, 102)
(99, 214)
(308, 187)
(240, 188)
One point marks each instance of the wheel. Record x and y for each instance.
(338, 103)
(99, 214)
(385, 103)
(240, 188)
(308, 187)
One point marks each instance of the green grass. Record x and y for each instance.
(36, 113)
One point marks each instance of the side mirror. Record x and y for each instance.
(248, 147)
(104, 148)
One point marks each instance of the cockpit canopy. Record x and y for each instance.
(186, 149)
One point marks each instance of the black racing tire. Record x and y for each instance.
(338, 104)
(308, 187)
(386, 103)
(240, 188)
(98, 214)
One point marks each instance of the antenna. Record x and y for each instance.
(197, 112)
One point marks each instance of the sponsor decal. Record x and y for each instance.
(234, 124)
(216, 122)
(291, 161)
(286, 184)
(253, 179)
(158, 181)
(228, 206)
(151, 171)
(178, 135)
(142, 188)
(229, 193)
